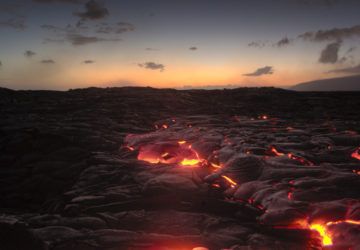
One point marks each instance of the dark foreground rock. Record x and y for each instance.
(70, 178)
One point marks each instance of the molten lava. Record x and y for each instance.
(321, 228)
(190, 162)
(276, 152)
(168, 146)
(229, 180)
(170, 152)
(356, 154)
(326, 238)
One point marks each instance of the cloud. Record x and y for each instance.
(267, 70)
(73, 35)
(51, 28)
(29, 53)
(257, 44)
(49, 61)
(14, 24)
(330, 53)
(94, 10)
(77, 39)
(58, 1)
(151, 49)
(193, 48)
(351, 70)
(118, 28)
(283, 42)
(332, 34)
(152, 65)
(88, 61)
(323, 2)
(12, 9)
(50, 40)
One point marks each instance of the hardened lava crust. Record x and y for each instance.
(144, 168)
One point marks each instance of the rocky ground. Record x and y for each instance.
(270, 167)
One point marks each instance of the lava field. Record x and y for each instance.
(142, 168)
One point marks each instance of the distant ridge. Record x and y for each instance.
(349, 83)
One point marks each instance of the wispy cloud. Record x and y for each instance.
(12, 9)
(267, 70)
(48, 61)
(53, 28)
(258, 44)
(283, 42)
(118, 28)
(151, 49)
(324, 2)
(193, 48)
(93, 11)
(77, 39)
(351, 70)
(29, 53)
(58, 1)
(88, 61)
(152, 65)
(13, 24)
(335, 34)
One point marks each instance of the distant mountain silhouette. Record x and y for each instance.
(349, 83)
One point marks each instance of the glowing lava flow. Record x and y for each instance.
(229, 180)
(179, 152)
(321, 228)
(356, 154)
(190, 162)
(306, 162)
(276, 152)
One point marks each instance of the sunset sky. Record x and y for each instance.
(62, 44)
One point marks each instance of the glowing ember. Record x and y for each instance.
(130, 148)
(181, 142)
(350, 132)
(290, 195)
(356, 154)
